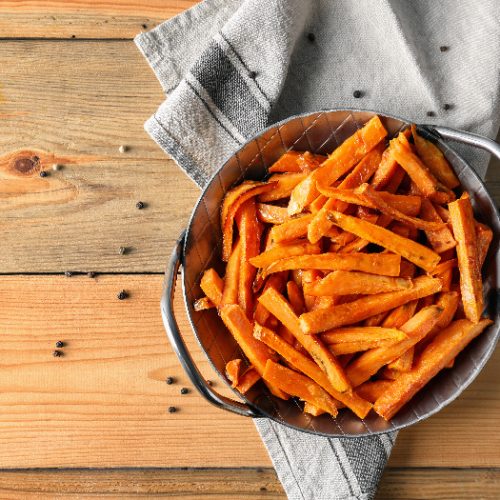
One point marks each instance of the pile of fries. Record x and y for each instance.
(353, 279)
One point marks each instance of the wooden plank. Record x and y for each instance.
(396, 484)
(77, 115)
(104, 403)
(85, 18)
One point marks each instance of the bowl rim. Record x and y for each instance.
(428, 131)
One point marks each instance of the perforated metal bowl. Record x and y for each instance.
(200, 248)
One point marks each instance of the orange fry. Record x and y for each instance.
(311, 369)
(291, 229)
(360, 346)
(360, 309)
(362, 333)
(437, 355)
(276, 281)
(271, 214)
(404, 362)
(300, 386)
(400, 315)
(212, 285)
(352, 282)
(232, 278)
(370, 362)
(386, 264)
(248, 380)
(371, 391)
(410, 250)
(471, 286)
(312, 410)
(233, 371)
(283, 187)
(283, 251)
(484, 237)
(441, 239)
(434, 160)
(276, 304)
(295, 297)
(203, 304)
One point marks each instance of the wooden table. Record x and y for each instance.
(73, 88)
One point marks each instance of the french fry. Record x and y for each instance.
(257, 353)
(365, 345)
(445, 266)
(352, 282)
(271, 214)
(352, 334)
(371, 391)
(434, 160)
(350, 152)
(441, 239)
(386, 208)
(370, 362)
(212, 285)
(232, 202)
(250, 230)
(471, 286)
(288, 162)
(426, 183)
(300, 386)
(283, 187)
(400, 315)
(407, 269)
(439, 353)
(404, 362)
(311, 369)
(312, 410)
(248, 380)
(484, 237)
(309, 276)
(448, 302)
(276, 304)
(233, 371)
(386, 264)
(375, 320)
(232, 277)
(410, 250)
(203, 304)
(396, 180)
(276, 281)
(360, 309)
(295, 297)
(284, 250)
(292, 229)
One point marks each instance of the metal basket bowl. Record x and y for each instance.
(200, 248)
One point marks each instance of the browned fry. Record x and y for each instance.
(248, 380)
(212, 285)
(360, 309)
(434, 160)
(203, 304)
(292, 229)
(233, 371)
(484, 237)
(311, 369)
(385, 264)
(403, 363)
(300, 386)
(271, 214)
(284, 184)
(375, 320)
(441, 239)
(284, 250)
(276, 304)
(471, 285)
(370, 362)
(295, 297)
(360, 346)
(362, 333)
(438, 354)
(410, 250)
(352, 282)
(400, 315)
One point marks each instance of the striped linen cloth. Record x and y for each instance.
(233, 67)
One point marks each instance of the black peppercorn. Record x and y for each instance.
(145, 26)
(311, 37)
(210, 383)
(443, 48)
(43, 173)
(447, 107)
(140, 205)
(91, 274)
(57, 354)
(169, 380)
(172, 409)
(122, 250)
(122, 295)
(68, 274)
(252, 74)
(431, 113)
(357, 94)
(59, 343)
(184, 390)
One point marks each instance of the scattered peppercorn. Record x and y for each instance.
(56, 166)
(43, 173)
(184, 390)
(123, 148)
(145, 26)
(172, 409)
(122, 250)
(59, 343)
(431, 113)
(447, 107)
(252, 74)
(73, 36)
(263, 488)
(57, 354)
(170, 380)
(122, 295)
(140, 205)
(91, 274)
(357, 94)
(210, 383)
(443, 48)
(68, 274)
(311, 37)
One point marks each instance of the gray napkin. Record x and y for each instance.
(233, 67)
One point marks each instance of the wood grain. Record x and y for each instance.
(77, 115)
(396, 484)
(84, 18)
(104, 403)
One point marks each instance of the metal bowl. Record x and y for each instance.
(200, 248)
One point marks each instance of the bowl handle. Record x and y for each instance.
(475, 140)
(179, 347)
